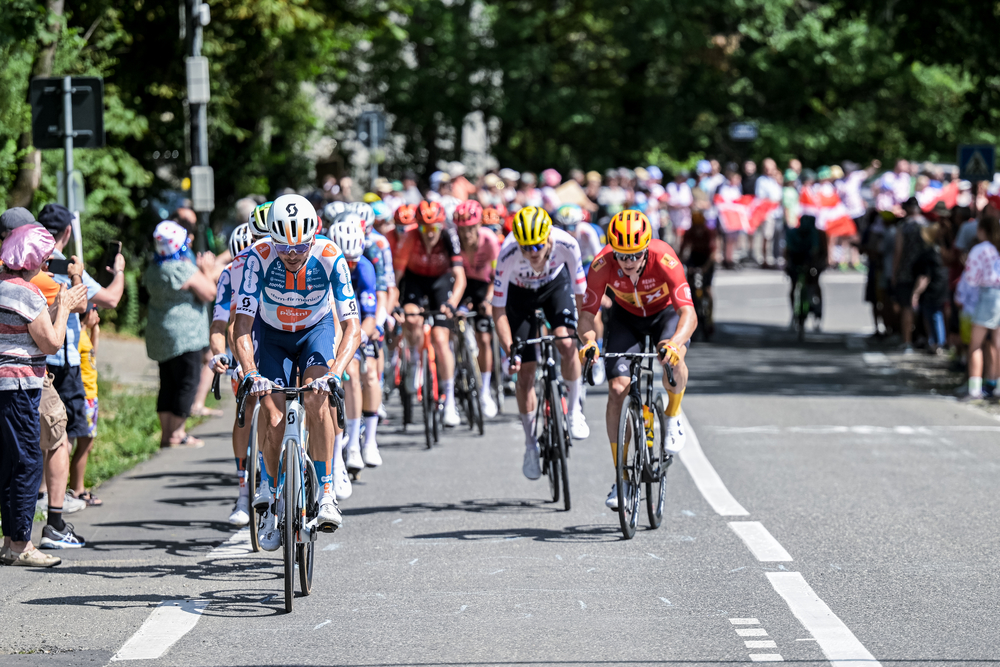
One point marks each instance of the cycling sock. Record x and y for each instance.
(487, 376)
(975, 386)
(528, 424)
(270, 481)
(448, 387)
(673, 408)
(371, 424)
(989, 384)
(353, 433)
(573, 400)
(56, 518)
(325, 474)
(614, 452)
(241, 472)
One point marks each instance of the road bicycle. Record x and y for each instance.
(431, 400)
(296, 498)
(806, 298)
(551, 430)
(702, 302)
(468, 381)
(496, 387)
(643, 420)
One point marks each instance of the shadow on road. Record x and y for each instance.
(479, 506)
(587, 533)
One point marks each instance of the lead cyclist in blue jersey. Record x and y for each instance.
(293, 281)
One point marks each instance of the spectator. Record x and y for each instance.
(177, 329)
(30, 331)
(749, 180)
(982, 272)
(930, 292)
(909, 245)
(90, 334)
(411, 193)
(679, 200)
(768, 186)
(730, 190)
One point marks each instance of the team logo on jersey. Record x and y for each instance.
(668, 261)
(344, 272)
(369, 299)
(264, 249)
(329, 250)
(588, 298)
(683, 292)
(289, 315)
(250, 275)
(598, 264)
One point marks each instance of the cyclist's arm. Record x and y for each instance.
(243, 349)
(680, 295)
(247, 294)
(217, 337)
(459, 289)
(585, 327)
(685, 327)
(347, 314)
(503, 327)
(590, 302)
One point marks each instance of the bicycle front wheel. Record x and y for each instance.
(630, 438)
(290, 493)
(558, 444)
(659, 462)
(427, 401)
(253, 479)
(496, 378)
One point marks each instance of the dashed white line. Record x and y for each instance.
(744, 621)
(705, 477)
(838, 643)
(751, 632)
(760, 643)
(760, 541)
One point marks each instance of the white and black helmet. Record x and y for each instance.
(240, 239)
(332, 210)
(292, 220)
(366, 212)
(347, 233)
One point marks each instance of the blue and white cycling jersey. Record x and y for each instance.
(379, 253)
(293, 302)
(224, 291)
(365, 285)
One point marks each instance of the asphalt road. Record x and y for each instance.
(858, 523)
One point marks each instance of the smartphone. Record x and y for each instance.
(108, 260)
(59, 266)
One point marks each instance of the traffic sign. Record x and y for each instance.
(47, 119)
(743, 131)
(976, 162)
(371, 129)
(202, 189)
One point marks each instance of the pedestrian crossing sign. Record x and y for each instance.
(976, 162)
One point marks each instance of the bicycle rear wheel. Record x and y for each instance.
(558, 444)
(427, 402)
(305, 550)
(656, 488)
(253, 479)
(630, 438)
(474, 407)
(290, 494)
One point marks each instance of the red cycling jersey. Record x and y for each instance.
(415, 258)
(481, 262)
(661, 284)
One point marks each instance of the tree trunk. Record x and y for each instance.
(30, 174)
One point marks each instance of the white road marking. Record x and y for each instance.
(876, 359)
(582, 606)
(705, 477)
(766, 657)
(744, 621)
(839, 644)
(760, 541)
(760, 643)
(332, 547)
(857, 429)
(751, 632)
(170, 621)
(666, 602)
(326, 622)
(414, 561)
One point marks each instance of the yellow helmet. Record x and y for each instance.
(532, 225)
(370, 198)
(629, 232)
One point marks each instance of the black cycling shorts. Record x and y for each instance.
(627, 333)
(428, 292)
(475, 295)
(555, 298)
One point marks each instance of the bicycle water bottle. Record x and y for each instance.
(647, 418)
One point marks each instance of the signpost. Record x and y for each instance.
(743, 131)
(80, 103)
(976, 162)
(371, 131)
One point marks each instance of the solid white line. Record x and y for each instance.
(760, 541)
(839, 644)
(705, 477)
(170, 621)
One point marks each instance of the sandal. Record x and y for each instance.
(188, 441)
(89, 498)
(207, 412)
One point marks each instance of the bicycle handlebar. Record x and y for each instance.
(216, 391)
(336, 399)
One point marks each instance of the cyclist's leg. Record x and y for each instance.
(371, 398)
(316, 353)
(353, 396)
(441, 291)
(560, 311)
(662, 328)
(621, 337)
(276, 351)
(411, 294)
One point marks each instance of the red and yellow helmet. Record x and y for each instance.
(629, 232)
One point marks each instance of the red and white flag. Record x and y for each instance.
(744, 214)
(823, 202)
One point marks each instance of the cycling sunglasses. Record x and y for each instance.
(536, 247)
(629, 256)
(434, 227)
(301, 248)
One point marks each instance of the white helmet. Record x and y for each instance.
(333, 209)
(347, 234)
(292, 220)
(366, 213)
(240, 239)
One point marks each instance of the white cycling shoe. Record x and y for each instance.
(263, 497)
(612, 500)
(269, 535)
(329, 518)
(489, 406)
(354, 461)
(369, 452)
(531, 467)
(578, 428)
(341, 483)
(451, 417)
(676, 436)
(241, 512)
(382, 414)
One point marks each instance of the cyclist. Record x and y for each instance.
(650, 297)
(806, 251)
(697, 251)
(294, 281)
(430, 268)
(480, 249)
(570, 217)
(349, 236)
(539, 267)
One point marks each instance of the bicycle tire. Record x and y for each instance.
(290, 494)
(253, 474)
(426, 401)
(545, 457)
(475, 408)
(624, 468)
(558, 448)
(656, 488)
(496, 377)
(305, 551)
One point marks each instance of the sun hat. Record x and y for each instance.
(169, 237)
(27, 247)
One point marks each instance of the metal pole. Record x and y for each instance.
(199, 119)
(71, 202)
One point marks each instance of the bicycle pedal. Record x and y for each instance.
(354, 474)
(328, 528)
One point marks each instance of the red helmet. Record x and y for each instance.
(430, 213)
(492, 216)
(586, 215)
(405, 215)
(468, 213)
(508, 224)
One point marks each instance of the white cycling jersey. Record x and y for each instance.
(513, 267)
(590, 242)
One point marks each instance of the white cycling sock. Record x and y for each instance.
(338, 450)
(448, 387)
(573, 400)
(371, 424)
(528, 424)
(975, 386)
(353, 433)
(487, 376)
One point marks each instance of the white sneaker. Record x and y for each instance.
(269, 536)
(612, 500)
(241, 515)
(578, 428)
(353, 460)
(382, 414)
(369, 452)
(451, 417)
(531, 468)
(263, 498)
(341, 483)
(72, 504)
(329, 514)
(676, 437)
(489, 405)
